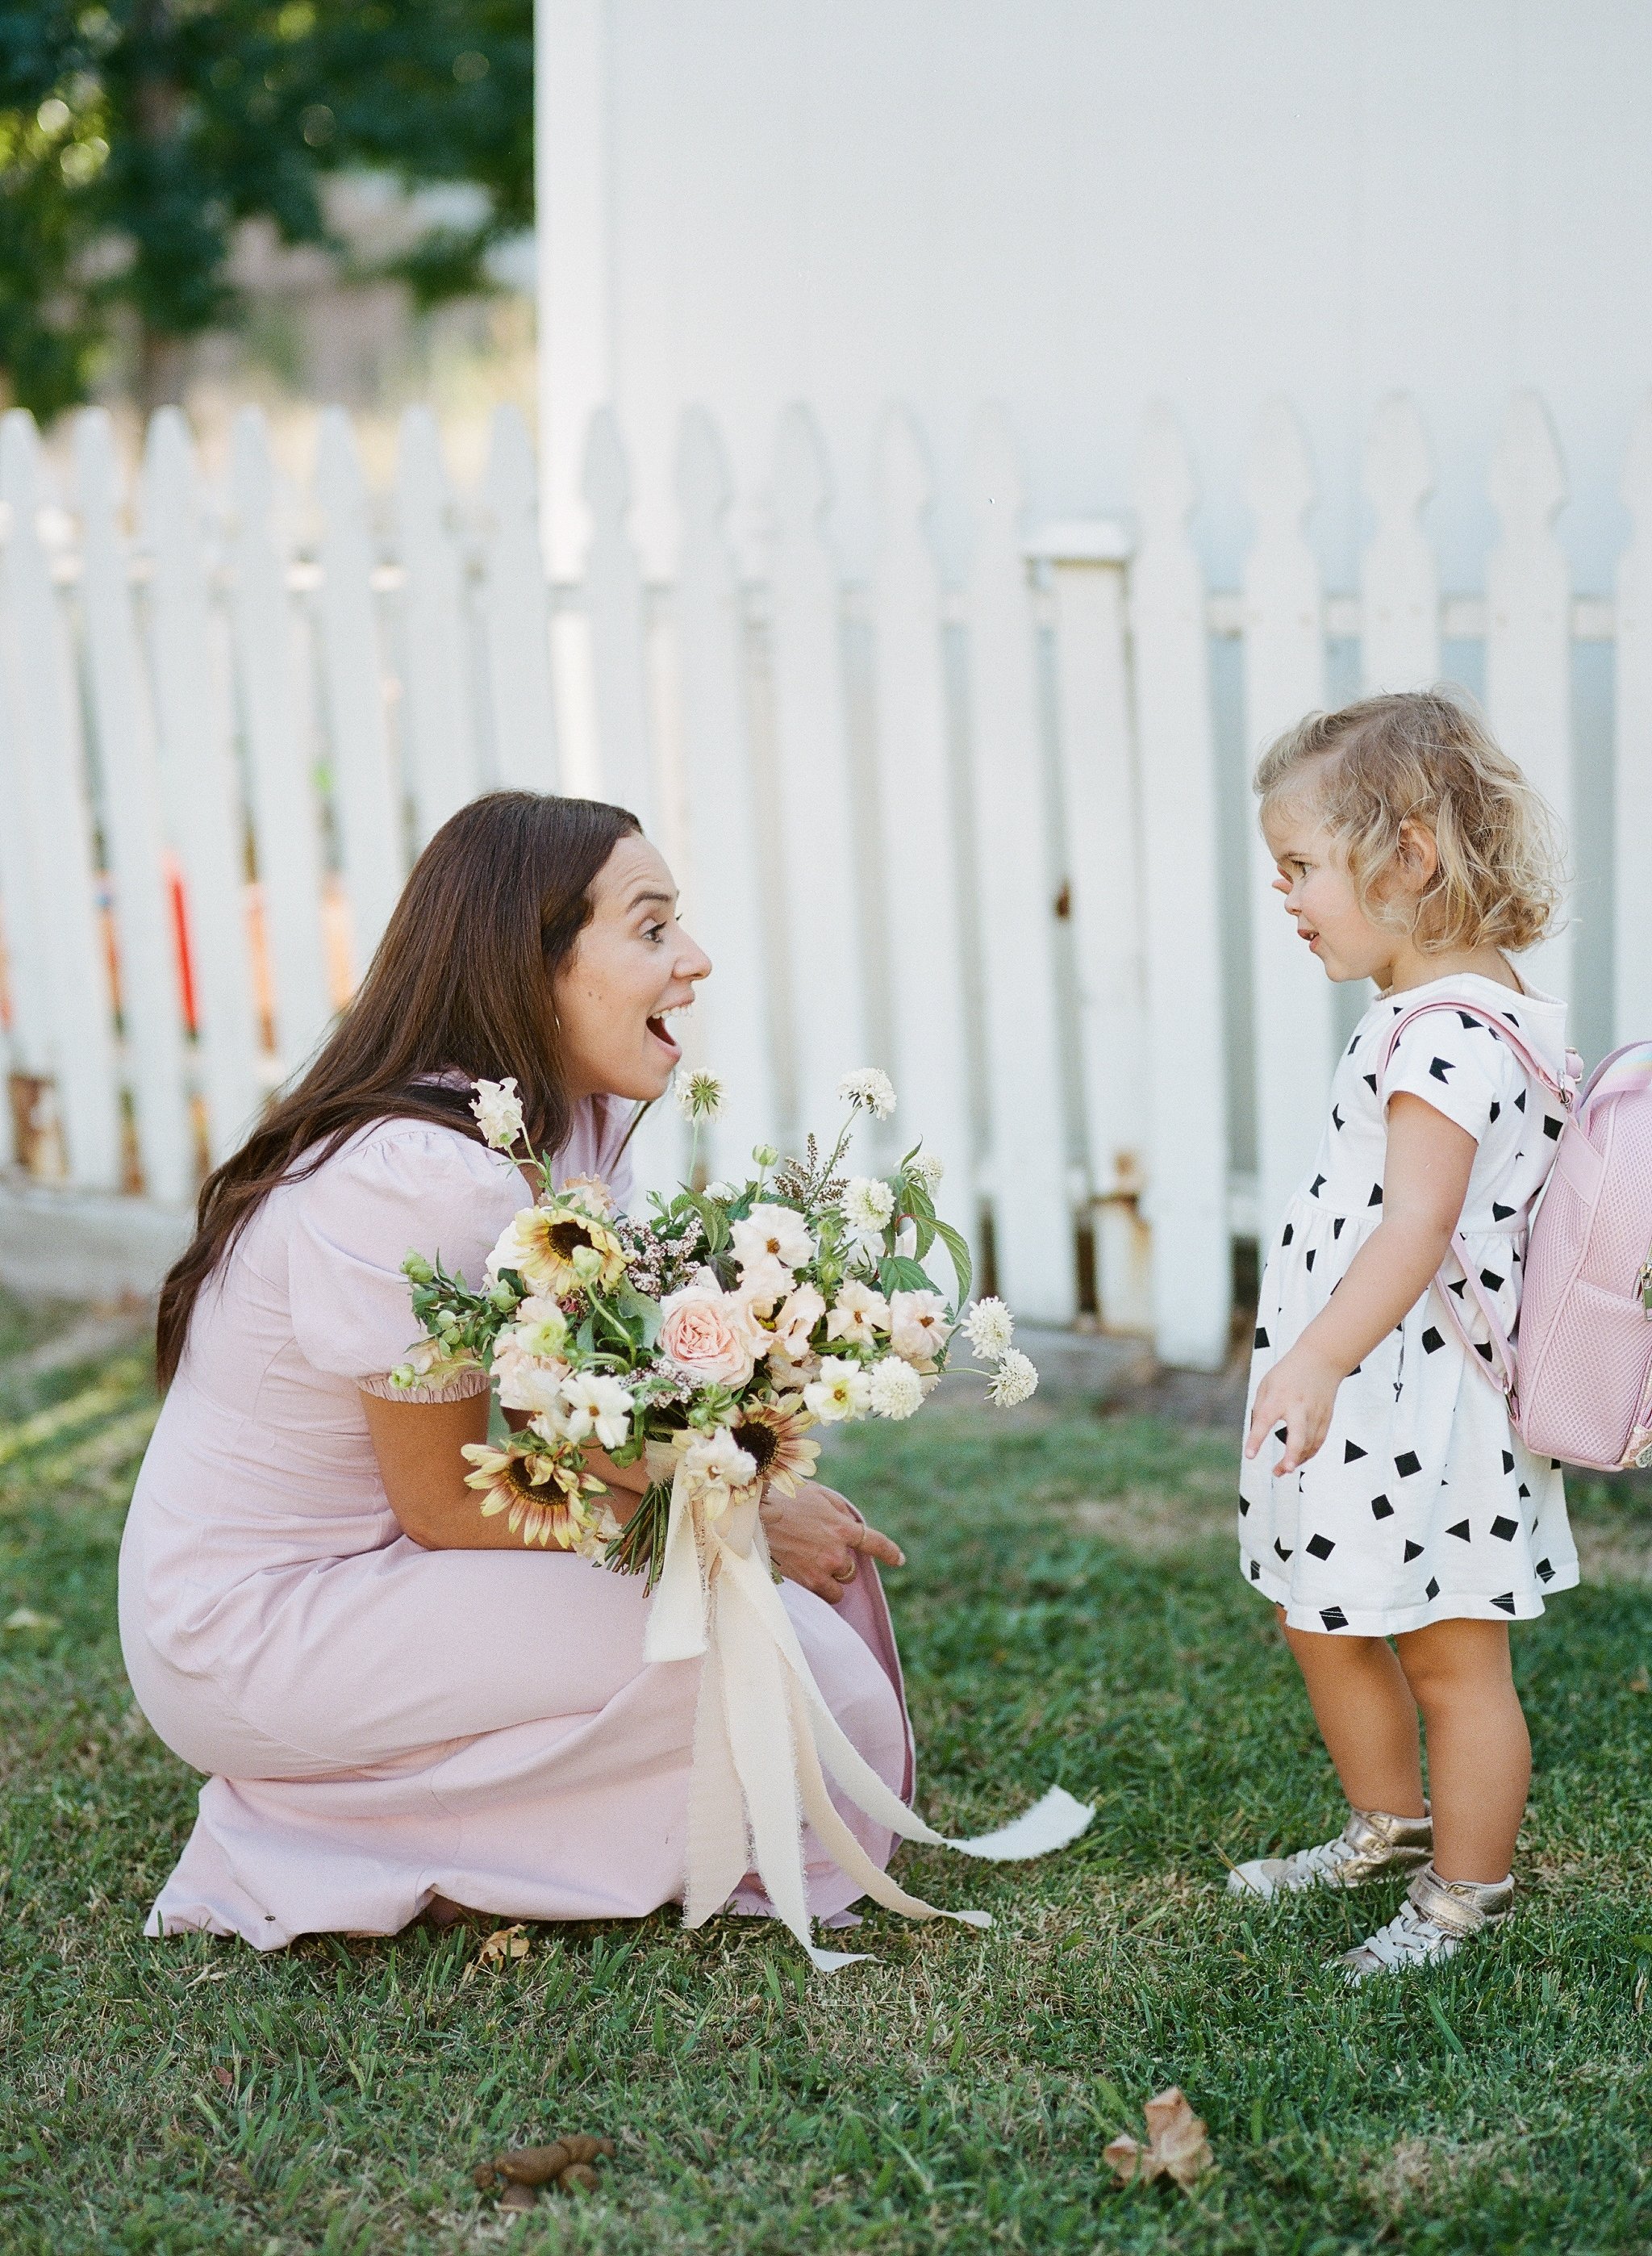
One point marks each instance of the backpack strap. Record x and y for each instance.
(1500, 1369)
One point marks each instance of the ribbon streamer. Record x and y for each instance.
(765, 1738)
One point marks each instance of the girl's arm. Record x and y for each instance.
(1424, 1183)
(418, 1446)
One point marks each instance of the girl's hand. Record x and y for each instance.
(1299, 1394)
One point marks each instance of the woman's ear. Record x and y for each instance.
(1417, 854)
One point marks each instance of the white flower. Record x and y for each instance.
(919, 1329)
(795, 1320)
(858, 1313)
(596, 1405)
(868, 1204)
(721, 1192)
(990, 1327)
(538, 1327)
(526, 1381)
(868, 1086)
(841, 1391)
(498, 1112)
(1016, 1380)
(930, 1169)
(715, 1467)
(763, 1281)
(700, 1096)
(779, 1232)
(895, 1390)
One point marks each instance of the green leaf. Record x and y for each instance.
(963, 1266)
(898, 1273)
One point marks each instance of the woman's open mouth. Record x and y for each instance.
(662, 1034)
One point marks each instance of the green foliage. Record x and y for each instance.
(137, 136)
(1070, 1613)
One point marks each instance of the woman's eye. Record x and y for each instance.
(654, 932)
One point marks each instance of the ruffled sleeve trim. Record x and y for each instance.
(457, 1389)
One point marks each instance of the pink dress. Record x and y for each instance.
(382, 1724)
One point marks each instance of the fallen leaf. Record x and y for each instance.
(26, 1617)
(222, 2076)
(499, 1949)
(1176, 2148)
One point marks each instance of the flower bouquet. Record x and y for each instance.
(710, 1336)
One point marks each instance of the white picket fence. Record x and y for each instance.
(975, 833)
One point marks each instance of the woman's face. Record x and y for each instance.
(631, 967)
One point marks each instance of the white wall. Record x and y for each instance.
(1077, 205)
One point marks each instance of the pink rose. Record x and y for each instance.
(704, 1332)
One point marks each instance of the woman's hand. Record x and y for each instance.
(818, 1539)
(1298, 1394)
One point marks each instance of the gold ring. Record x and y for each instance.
(848, 1577)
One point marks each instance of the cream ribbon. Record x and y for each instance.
(765, 1736)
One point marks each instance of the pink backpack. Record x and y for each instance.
(1579, 1388)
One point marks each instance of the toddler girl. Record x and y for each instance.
(1384, 1494)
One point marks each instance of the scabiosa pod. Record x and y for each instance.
(1016, 1378)
(700, 1096)
(989, 1327)
(870, 1087)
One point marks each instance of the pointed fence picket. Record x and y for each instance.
(443, 767)
(57, 826)
(1187, 1129)
(1027, 1155)
(1101, 834)
(133, 823)
(825, 955)
(280, 752)
(205, 820)
(1284, 638)
(728, 909)
(919, 834)
(881, 800)
(1528, 629)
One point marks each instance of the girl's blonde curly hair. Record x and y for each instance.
(1427, 757)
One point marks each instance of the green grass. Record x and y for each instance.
(1071, 1612)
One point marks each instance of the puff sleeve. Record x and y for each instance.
(403, 1187)
(1457, 1063)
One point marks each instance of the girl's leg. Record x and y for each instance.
(1367, 1718)
(1479, 1750)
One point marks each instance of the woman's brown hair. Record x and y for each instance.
(460, 984)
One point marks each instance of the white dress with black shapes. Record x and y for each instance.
(1423, 1503)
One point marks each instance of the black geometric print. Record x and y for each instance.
(1491, 1280)
(1509, 1460)
(1500, 1213)
(1407, 1464)
(1551, 1127)
(1351, 1452)
(1506, 1602)
(1525, 1492)
(1308, 1256)
(1440, 1067)
(1244, 1504)
(1460, 1530)
(1316, 1186)
(1483, 1347)
(1505, 1530)
(1432, 1342)
(1496, 1108)
(1412, 1550)
(1545, 1573)
(1376, 1198)
(1370, 1080)
(1459, 1285)
(1336, 1227)
(1280, 1548)
(1255, 1570)
(1431, 1589)
(1321, 1546)
(1334, 1618)
(1520, 1102)
(1290, 1231)
(1380, 1508)
(1279, 1432)
(1470, 1021)
(1262, 1336)
(1336, 1117)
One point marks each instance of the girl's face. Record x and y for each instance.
(632, 967)
(1319, 895)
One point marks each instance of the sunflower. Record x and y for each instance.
(547, 1497)
(771, 1433)
(560, 1250)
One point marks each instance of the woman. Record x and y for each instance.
(400, 1708)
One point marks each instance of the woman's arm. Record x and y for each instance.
(815, 1538)
(1424, 1183)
